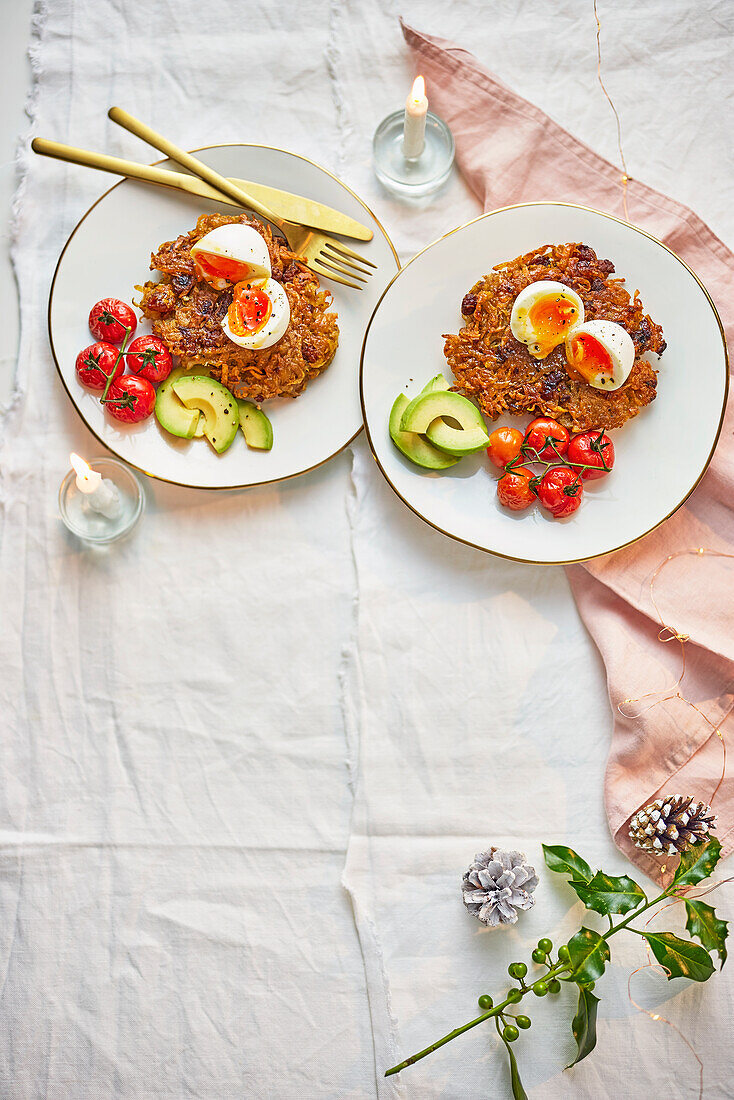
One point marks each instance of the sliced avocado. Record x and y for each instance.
(216, 404)
(172, 414)
(256, 428)
(428, 413)
(412, 445)
(427, 406)
(456, 441)
(437, 383)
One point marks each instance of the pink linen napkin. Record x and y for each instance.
(509, 151)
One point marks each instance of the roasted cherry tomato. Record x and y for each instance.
(504, 446)
(149, 358)
(515, 490)
(130, 399)
(96, 363)
(594, 449)
(109, 319)
(542, 434)
(560, 491)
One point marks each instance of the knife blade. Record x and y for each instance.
(294, 207)
(307, 211)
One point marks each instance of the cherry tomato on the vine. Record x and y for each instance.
(542, 435)
(109, 318)
(504, 446)
(515, 489)
(130, 399)
(96, 363)
(149, 358)
(595, 449)
(560, 491)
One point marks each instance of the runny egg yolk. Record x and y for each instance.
(250, 309)
(213, 266)
(589, 357)
(550, 318)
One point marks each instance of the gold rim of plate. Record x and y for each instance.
(498, 553)
(108, 446)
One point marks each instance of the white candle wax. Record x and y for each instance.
(414, 127)
(99, 496)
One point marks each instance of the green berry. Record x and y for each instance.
(564, 954)
(510, 1034)
(545, 945)
(589, 986)
(523, 1022)
(540, 989)
(538, 956)
(514, 995)
(554, 986)
(517, 970)
(485, 1002)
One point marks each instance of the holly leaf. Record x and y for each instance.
(583, 1025)
(518, 1091)
(567, 862)
(681, 958)
(606, 894)
(703, 923)
(697, 863)
(589, 955)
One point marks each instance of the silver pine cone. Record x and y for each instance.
(497, 884)
(670, 825)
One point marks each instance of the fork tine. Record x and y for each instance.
(331, 253)
(349, 252)
(316, 266)
(328, 262)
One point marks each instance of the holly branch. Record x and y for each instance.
(582, 961)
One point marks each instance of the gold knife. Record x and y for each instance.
(294, 207)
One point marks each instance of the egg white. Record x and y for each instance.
(521, 324)
(617, 342)
(274, 327)
(236, 242)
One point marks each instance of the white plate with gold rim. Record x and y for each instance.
(109, 252)
(661, 454)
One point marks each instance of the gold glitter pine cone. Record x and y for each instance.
(669, 826)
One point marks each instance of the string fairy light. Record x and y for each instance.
(610, 101)
(650, 965)
(686, 893)
(667, 634)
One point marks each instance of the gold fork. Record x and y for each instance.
(324, 255)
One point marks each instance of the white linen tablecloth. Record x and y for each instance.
(209, 725)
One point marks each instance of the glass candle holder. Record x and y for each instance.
(415, 176)
(92, 526)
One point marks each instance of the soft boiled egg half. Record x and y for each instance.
(258, 316)
(543, 315)
(602, 352)
(232, 253)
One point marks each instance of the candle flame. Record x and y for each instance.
(82, 468)
(418, 90)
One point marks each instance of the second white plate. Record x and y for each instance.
(660, 455)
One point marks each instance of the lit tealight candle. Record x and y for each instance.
(414, 129)
(101, 496)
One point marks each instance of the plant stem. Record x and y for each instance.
(524, 456)
(559, 968)
(120, 353)
(496, 1010)
(633, 916)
